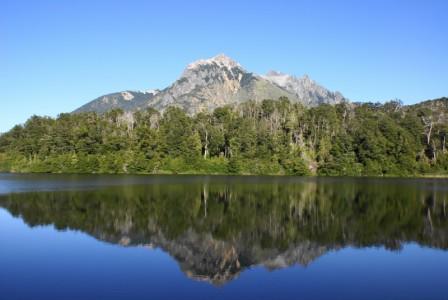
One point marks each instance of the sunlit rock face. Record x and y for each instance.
(218, 81)
(308, 91)
(126, 100)
(210, 83)
(215, 231)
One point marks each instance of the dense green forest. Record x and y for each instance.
(268, 137)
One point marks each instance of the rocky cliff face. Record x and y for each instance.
(214, 82)
(126, 100)
(308, 91)
(207, 84)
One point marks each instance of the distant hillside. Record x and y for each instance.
(127, 100)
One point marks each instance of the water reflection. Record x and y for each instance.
(215, 229)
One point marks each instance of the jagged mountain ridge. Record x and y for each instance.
(210, 83)
(126, 100)
(304, 88)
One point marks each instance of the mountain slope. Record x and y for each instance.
(126, 100)
(305, 89)
(207, 84)
(217, 81)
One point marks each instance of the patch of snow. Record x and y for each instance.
(154, 92)
(127, 96)
(221, 60)
(278, 78)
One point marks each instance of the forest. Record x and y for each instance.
(271, 137)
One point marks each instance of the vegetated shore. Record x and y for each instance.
(162, 172)
(272, 137)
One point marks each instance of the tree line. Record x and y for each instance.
(267, 137)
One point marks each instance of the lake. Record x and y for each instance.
(219, 237)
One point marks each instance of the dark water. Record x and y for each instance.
(193, 237)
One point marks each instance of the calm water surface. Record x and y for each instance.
(200, 237)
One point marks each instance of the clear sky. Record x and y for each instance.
(56, 55)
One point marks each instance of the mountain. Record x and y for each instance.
(126, 100)
(207, 84)
(217, 81)
(305, 89)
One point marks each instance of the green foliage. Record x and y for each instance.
(268, 137)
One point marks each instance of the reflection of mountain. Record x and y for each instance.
(205, 258)
(216, 230)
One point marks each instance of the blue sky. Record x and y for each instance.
(56, 55)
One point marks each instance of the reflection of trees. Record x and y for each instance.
(271, 214)
(235, 225)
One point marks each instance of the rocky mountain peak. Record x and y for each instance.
(220, 60)
(217, 81)
(307, 90)
(277, 77)
(305, 77)
(273, 73)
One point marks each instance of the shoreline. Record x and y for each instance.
(420, 176)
